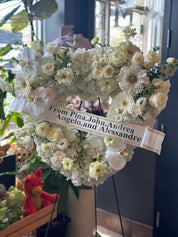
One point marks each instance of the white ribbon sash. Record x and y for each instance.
(143, 137)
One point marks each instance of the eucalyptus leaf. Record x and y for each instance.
(43, 9)
(5, 50)
(19, 21)
(8, 16)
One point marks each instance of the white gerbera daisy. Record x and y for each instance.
(121, 103)
(131, 79)
(22, 86)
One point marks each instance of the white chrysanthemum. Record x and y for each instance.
(64, 76)
(96, 170)
(56, 160)
(54, 134)
(42, 129)
(22, 86)
(67, 163)
(62, 144)
(131, 79)
(5, 86)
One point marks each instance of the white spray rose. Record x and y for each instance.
(67, 163)
(54, 134)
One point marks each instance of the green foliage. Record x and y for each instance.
(43, 9)
(17, 117)
(5, 50)
(2, 97)
(19, 21)
(6, 123)
(8, 16)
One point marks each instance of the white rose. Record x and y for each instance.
(57, 159)
(103, 61)
(48, 68)
(67, 163)
(62, 144)
(138, 59)
(158, 101)
(19, 133)
(96, 169)
(29, 128)
(54, 134)
(118, 58)
(27, 142)
(52, 48)
(27, 119)
(108, 71)
(163, 85)
(42, 129)
(170, 60)
(153, 57)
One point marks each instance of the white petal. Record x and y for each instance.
(115, 161)
(27, 54)
(40, 92)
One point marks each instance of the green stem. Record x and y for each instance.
(2, 97)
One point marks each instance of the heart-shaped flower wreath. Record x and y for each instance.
(136, 83)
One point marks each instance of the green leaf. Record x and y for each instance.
(75, 190)
(11, 76)
(14, 139)
(6, 123)
(5, 50)
(2, 97)
(19, 21)
(8, 16)
(17, 119)
(64, 189)
(43, 9)
(8, 136)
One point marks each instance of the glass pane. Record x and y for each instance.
(111, 17)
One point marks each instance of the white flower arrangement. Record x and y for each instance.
(138, 85)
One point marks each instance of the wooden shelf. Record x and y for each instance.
(29, 223)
